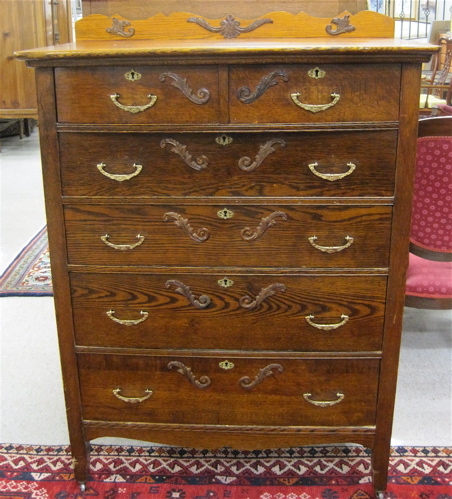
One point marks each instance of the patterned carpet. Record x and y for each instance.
(29, 273)
(123, 472)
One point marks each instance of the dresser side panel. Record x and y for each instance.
(57, 246)
(406, 155)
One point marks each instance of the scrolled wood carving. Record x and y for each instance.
(203, 382)
(342, 26)
(249, 234)
(247, 165)
(229, 27)
(199, 236)
(118, 28)
(200, 163)
(245, 95)
(263, 373)
(202, 96)
(184, 290)
(248, 303)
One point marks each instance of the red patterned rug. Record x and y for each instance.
(123, 472)
(29, 273)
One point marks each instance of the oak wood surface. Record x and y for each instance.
(276, 400)
(166, 171)
(283, 244)
(279, 322)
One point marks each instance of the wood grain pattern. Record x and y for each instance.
(166, 174)
(362, 98)
(224, 401)
(278, 324)
(84, 95)
(284, 25)
(285, 245)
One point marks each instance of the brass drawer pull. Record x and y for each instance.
(324, 403)
(331, 249)
(247, 383)
(203, 382)
(133, 109)
(133, 400)
(202, 95)
(326, 327)
(122, 247)
(315, 108)
(119, 177)
(181, 288)
(249, 234)
(200, 236)
(248, 303)
(181, 150)
(127, 322)
(245, 163)
(332, 176)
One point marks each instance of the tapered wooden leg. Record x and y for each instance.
(80, 462)
(380, 465)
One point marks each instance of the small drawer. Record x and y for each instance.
(303, 93)
(229, 311)
(108, 95)
(256, 236)
(340, 163)
(229, 390)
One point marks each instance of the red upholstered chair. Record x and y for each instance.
(429, 277)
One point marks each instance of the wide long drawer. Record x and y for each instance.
(306, 93)
(229, 391)
(218, 311)
(340, 163)
(256, 236)
(142, 94)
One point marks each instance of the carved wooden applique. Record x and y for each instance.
(247, 165)
(245, 95)
(181, 150)
(343, 26)
(184, 290)
(199, 236)
(249, 234)
(247, 383)
(248, 303)
(229, 27)
(203, 382)
(202, 96)
(118, 28)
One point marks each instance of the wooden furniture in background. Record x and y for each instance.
(25, 24)
(228, 217)
(213, 9)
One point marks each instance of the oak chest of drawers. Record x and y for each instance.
(228, 219)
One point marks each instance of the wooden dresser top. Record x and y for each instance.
(295, 37)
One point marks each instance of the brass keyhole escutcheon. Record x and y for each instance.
(225, 213)
(316, 73)
(132, 75)
(226, 364)
(225, 282)
(224, 140)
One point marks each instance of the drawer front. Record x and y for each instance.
(160, 95)
(262, 392)
(347, 92)
(249, 312)
(348, 164)
(257, 236)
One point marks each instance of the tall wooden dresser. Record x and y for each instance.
(228, 209)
